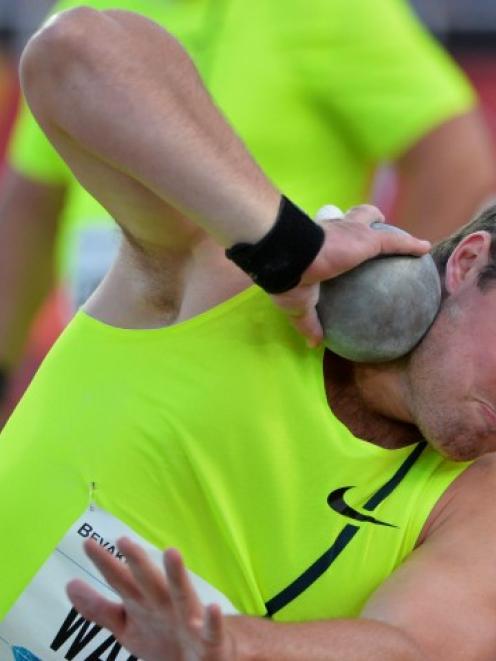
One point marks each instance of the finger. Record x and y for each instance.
(401, 243)
(150, 579)
(393, 241)
(309, 326)
(184, 598)
(364, 213)
(213, 628)
(300, 304)
(96, 608)
(116, 572)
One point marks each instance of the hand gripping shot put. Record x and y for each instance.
(380, 310)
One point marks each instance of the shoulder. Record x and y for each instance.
(469, 499)
(444, 594)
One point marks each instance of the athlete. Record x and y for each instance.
(182, 407)
(291, 104)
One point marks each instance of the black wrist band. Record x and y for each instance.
(277, 262)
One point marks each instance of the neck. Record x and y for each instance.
(371, 400)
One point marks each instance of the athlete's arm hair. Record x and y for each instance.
(331, 640)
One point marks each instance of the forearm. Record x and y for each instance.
(150, 115)
(446, 178)
(332, 640)
(28, 213)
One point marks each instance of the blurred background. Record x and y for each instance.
(31, 318)
(468, 31)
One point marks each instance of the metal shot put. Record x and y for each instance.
(381, 309)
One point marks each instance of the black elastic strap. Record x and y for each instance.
(277, 262)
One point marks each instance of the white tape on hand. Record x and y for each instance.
(328, 212)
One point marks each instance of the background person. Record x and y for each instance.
(364, 83)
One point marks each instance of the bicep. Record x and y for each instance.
(439, 187)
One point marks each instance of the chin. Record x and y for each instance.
(464, 450)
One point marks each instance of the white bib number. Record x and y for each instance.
(42, 625)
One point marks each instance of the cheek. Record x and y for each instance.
(485, 371)
(445, 363)
(442, 386)
(436, 373)
(440, 380)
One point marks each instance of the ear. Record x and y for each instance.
(467, 260)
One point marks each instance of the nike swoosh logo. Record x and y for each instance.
(336, 502)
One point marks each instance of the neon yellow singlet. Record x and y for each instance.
(316, 99)
(213, 436)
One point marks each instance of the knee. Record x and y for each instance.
(65, 39)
